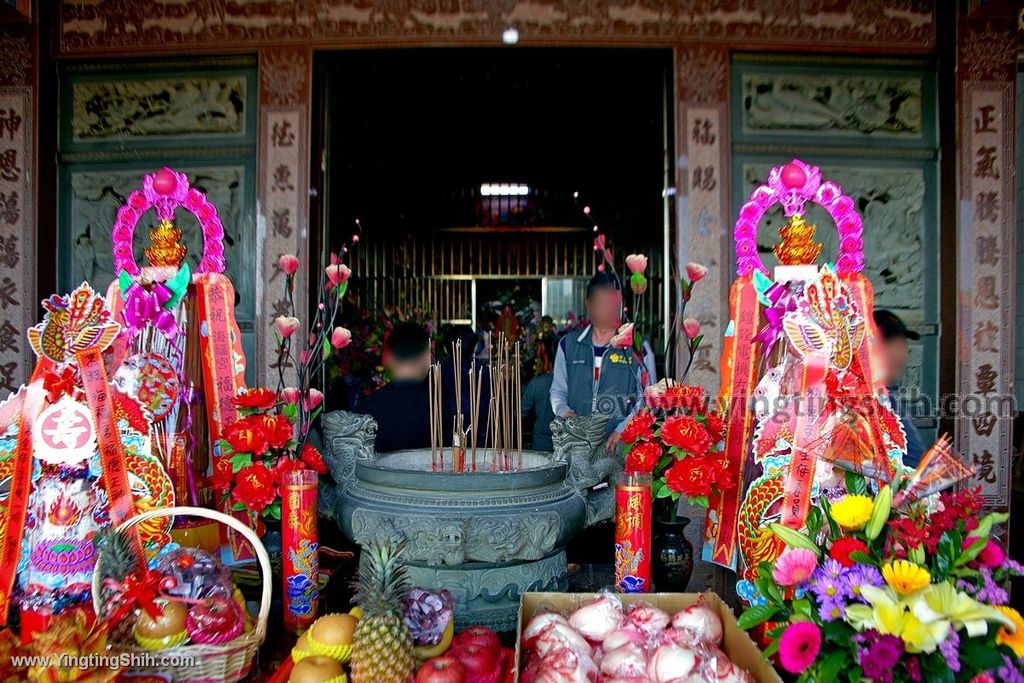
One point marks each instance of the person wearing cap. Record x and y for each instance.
(893, 335)
(402, 406)
(592, 376)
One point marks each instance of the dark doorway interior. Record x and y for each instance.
(411, 135)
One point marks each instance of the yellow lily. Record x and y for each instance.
(891, 616)
(943, 602)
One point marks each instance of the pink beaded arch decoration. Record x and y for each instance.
(164, 191)
(793, 185)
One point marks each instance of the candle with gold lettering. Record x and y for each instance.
(299, 549)
(633, 533)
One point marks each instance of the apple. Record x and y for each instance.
(479, 635)
(476, 660)
(445, 669)
(315, 669)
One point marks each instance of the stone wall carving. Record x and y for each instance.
(194, 106)
(891, 202)
(107, 25)
(451, 541)
(838, 105)
(95, 197)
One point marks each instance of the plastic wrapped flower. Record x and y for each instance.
(427, 614)
(905, 577)
(852, 512)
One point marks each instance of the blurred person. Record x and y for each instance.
(590, 375)
(893, 336)
(402, 406)
(537, 394)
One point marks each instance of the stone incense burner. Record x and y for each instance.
(486, 536)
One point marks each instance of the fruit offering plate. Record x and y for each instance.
(646, 616)
(508, 673)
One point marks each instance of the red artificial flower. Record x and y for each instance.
(284, 465)
(691, 477)
(245, 437)
(223, 474)
(638, 427)
(844, 547)
(257, 398)
(642, 457)
(683, 397)
(313, 459)
(276, 429)
(684, 432)
(255, 487)
(715, 426)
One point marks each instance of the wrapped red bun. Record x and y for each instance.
(647, 618)
(537, 625)
(670, 663)
(560, 666)
(598, 619)
(631, 679)
(716, 667)
(630, 660)
(678, 636)
(700, 620)
(479, 635)
(558, 636)
(625, 635)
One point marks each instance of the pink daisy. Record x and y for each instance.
(794, 566)
(799, 646)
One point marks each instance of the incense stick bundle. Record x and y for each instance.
(430, 418)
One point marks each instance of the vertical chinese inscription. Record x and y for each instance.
(704, 223)
(986, 282)
(283, 212)
(17, 252)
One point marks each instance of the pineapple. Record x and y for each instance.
(382, 648)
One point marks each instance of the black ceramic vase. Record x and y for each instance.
(672, 559)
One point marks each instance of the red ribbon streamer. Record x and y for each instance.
(796, 500)
(740, 358)
(221, 345)
(21, 479)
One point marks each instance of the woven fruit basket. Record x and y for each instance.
(200, 663)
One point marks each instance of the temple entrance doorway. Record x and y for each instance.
(469, 170)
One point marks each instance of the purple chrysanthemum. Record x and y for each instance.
(830, 609)
(862, 575)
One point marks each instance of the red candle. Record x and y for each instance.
(633, 533)
(299, 569)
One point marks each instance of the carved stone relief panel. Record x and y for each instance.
(92, 205)
(892, 203)
(840, 104)
(157, 107)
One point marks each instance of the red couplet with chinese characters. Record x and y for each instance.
(633, 533)
(299, 567)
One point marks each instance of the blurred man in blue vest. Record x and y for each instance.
(593, 376)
